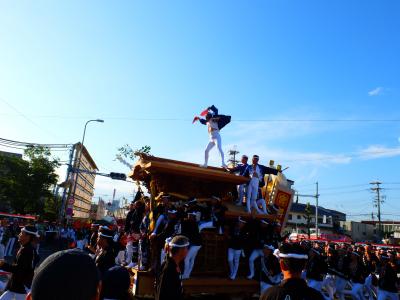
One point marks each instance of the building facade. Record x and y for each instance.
(358, 231)
(328, 219)
(82, 188)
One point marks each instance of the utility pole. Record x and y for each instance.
(316, 210)
(316, 196)
(232, 153)
(378, 202)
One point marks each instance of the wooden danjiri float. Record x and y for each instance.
(184, 181)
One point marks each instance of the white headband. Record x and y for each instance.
(269, 247)
(241, 220)
(290, 255)
(105, 235)
(173, 211)
(316, 251)
(173, 245)
(264, 222)
(30, 232)
(355, 253)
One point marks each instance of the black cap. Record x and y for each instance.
(65, 275)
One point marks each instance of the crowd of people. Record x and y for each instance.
(335, 269)
(169, 246)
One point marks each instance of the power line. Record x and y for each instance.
(27, 118)
(26, 144)
(189, 120)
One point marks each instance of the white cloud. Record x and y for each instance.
(378, 151)
(375, 92)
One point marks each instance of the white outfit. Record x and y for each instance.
(10, 247)
(130, 250)
(80, 244)
(340, 285)
(12, 296)
(385, 295)
(215, 139)
(369, 287)
(2, 248)
(204, 225)
(242, 189)
(252, 188)
(163, 255)
(357, 291)
(189, 260)
(253, 256)
(120, 258)
(233, 260)
(315, 284)
(329, 285)
(261, 202)
(265, 286)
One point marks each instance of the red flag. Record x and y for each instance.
(204, 112)
(196, 118)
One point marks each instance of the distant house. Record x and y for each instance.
(358, 231)
(10, 154)
(328, 219)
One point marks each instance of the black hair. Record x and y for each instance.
(178, 240)
(293, 265)
(116, 283)
(65, 275)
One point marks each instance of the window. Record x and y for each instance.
(298, 217)
(289, 217)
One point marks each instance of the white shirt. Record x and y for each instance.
(255, 173)
(212, 126)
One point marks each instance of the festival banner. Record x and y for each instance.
(283, 200)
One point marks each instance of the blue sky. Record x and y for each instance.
(63, 62)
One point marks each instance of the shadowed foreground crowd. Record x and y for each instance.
(285, 271)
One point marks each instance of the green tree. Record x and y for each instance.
(127, 151)
(26, 184)
(13, 180)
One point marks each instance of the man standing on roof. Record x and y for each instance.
(240, 170)
(256, 173)
(215, 123)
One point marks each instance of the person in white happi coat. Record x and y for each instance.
(256, 173)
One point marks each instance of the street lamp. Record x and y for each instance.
(81, 150)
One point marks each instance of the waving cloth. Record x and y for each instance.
(223, 120)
